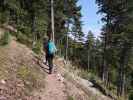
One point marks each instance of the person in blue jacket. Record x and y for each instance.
(51, 49)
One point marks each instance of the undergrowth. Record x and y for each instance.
(70, 98)
(37, 47)
(24, 39)
(30, 77)
(5, 39)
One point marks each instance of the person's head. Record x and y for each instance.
(50, 37)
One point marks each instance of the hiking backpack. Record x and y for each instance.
(51, 47)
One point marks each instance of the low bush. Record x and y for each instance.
(70, 98)
(37, 47)
(30, 77)
(131, 96)
(5, 39)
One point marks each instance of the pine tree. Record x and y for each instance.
(90, 42)
(117, 36)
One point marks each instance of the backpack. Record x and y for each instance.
(51, 47)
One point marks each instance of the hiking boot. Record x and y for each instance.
(50, 71)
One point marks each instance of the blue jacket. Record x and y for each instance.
(51, 47)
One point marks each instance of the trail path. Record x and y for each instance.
(55, 88)
(58, 88)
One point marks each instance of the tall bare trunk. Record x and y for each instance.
(121, 70)
(52, 19)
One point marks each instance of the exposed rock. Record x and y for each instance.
(3, 81)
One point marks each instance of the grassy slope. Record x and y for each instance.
(19, 74)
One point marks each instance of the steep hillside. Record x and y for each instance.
(19, 74)
(24, 77)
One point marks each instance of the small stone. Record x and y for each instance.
(20, 85)
(60, 78)
(3, 81)
(39, 98)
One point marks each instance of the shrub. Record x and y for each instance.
(131, 96)
(70, 98)
(84, 74)
(22, 38)
(30, 77)
(5, 39)
(4, 17)
(37, 47)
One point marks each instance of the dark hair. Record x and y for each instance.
(49, 36)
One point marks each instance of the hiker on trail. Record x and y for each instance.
(45, 42)
(51, 49)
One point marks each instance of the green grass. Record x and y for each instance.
(5, 39)
(70, 98)
(131, 95)
(31, 77)
(87, 75)
(22, 38)
(37, 47)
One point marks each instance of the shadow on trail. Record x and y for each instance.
(44, 67)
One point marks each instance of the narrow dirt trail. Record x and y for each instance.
(54, 87)
(58, 88)
(55, 90)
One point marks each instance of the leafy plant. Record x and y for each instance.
(37, 47)
(131, 96)
(5, 39)
(70, 98)
(30, 77)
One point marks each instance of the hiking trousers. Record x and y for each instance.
(50, 62)
(46, 58)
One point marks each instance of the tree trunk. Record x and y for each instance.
(52, 20)
(33, 28)
(88, 59)
(107, 48)
(121, 70)
(103, 66)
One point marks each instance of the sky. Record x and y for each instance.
(91, 21)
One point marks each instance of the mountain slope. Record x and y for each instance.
(24, 77)
(19, 73)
